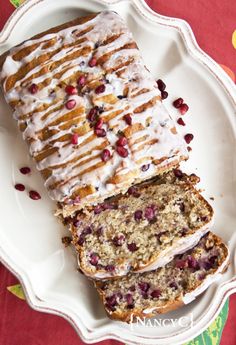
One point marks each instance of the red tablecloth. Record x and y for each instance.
(213, 23)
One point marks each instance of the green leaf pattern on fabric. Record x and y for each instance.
(16, 3)
(17, 291)
(212, 335)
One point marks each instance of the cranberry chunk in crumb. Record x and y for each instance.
(156, 293)
(138, 215)
(178, 173)
(133, 191)
(100, 132)
(100, 89)
(144, 286)
(110, 268)
(181, 263)
(118, 240)
(81, 80)
(132, 247)
(94, 259)
(149, 213)
(130, 301)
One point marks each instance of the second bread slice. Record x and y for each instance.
(143, 229)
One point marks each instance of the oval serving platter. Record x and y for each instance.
(30, 236)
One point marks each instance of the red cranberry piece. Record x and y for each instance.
(25, 170)
(132, 247)
(128, 119)
(98, 209)
(183, 108)
(81, 80)
(201, 276)
(122, 141)
(99, 124)
(180, 121)
(156, 293)
(133, 191)
(122, 151)
(178, 102)
(92, 62)
(74, 139)
(33, 89)
(161, 85)
(106, 155)
(149, 213)
(118, 240)
(111, 300)
(173, 285)
(180, 263)
(178, 173)
(20, 187)
(138, 215)
(129, 299)
(92, 115)
(100, 132)
(94, 259)
(100, 89)
(71, 90)
(192, 262)
(144, 286)
(110, 268)
(145, 167)
(204, 218)
(70, 104)
(188, 138)
(100, 231)
(34, 195)
(189, 148)
(164, 94)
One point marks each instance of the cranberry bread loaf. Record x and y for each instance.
(90, 110)
(142, 229)
(167, 288)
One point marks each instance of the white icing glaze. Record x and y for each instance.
(135, 77)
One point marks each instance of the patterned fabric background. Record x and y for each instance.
(216, 34)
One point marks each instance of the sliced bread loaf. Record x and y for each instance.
(167, 288)
(142, 229)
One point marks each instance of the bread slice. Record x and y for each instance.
(179, 282)
(90, 110)
(142, 229)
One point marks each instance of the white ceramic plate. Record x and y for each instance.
(30, 236)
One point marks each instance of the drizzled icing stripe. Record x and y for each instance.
(58, 59)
